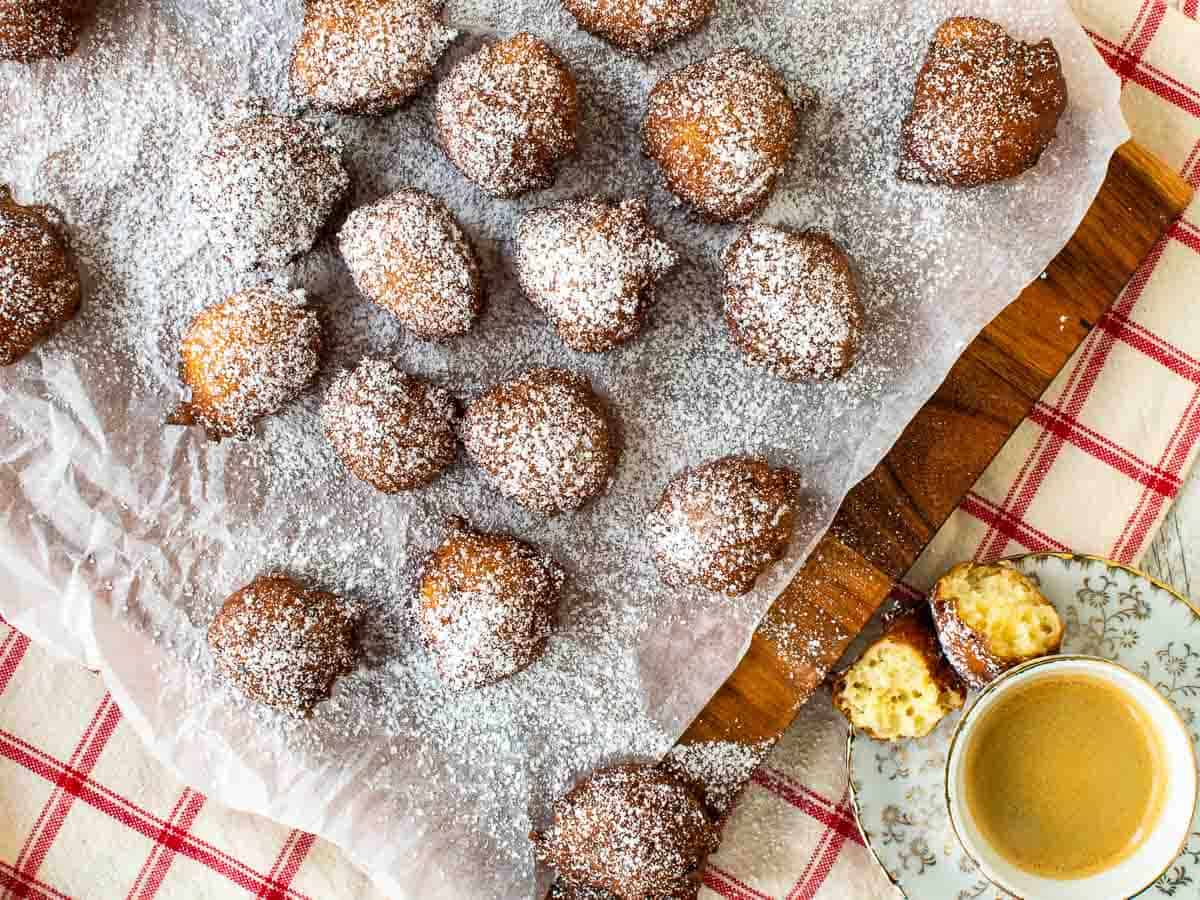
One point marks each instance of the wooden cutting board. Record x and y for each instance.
(889, 517)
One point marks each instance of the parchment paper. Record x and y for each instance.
(120, 537)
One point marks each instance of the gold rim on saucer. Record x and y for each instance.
(1017, 558)
(1038, 663)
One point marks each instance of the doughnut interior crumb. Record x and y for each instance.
(1009, 612)
(890, 693)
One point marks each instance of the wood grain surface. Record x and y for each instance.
(889, 517)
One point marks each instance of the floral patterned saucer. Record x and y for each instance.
(1109, 610)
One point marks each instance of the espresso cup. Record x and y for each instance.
(1165, 838)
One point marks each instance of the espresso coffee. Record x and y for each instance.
(1064, 777)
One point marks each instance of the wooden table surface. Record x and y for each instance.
(891, 515)
(1174, 555)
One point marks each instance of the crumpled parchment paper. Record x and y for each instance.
(119, 537)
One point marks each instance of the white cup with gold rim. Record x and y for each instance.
(1165, 838)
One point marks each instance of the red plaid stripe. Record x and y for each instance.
(1191, 166)
(1145, 26)
(1007, 521)
(12, 651)
(1131, 67)
(166, 845)
(1187, 234)
(1105, 449)
(1150, 504)
(729, 887)
(151, 826)
(1140, 338)
(1008, 526)
(1024, 489)
(835, 817)
(67, 787)
(17, 885)
(820, 864)
(1060, 424)
(1063, 419)
(287, 864)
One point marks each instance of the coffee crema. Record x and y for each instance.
(1064, 776)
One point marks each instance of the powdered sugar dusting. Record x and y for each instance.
(507, 115)
(282, 643)
(723, 131)
(40, 29)
(791, 304)
(719, 768)
(267, 185)
(983, 106)
(633, 830)
(722, 523)
(408, 254)
(245, 357)
(641, 26)
(39, 283)
(592, 268)
(487, 604)
(391, 430)
(543, 438)
(366, 58)
(435, 791)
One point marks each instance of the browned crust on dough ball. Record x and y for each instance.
(791, 304)
(544, 439)
(985, 106)
(39, 279)
(486, 605)
(41, 29)
(719, 525)
(592, 267)
(722, 131)
(267, 184)
(913, 628)
(408, 254)
(641, 26)
(283, 644)
(967, 650)
(633, 830)
(516, 79)
(366, 57)
(245, 358)
(390, 429)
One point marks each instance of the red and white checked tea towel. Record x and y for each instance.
(84, 812)
(1093, 468)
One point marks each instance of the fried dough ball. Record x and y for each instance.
(245, 358)
(902, 686)
(267, 184)
(283, 644)
(507, 115)
(722, 131)
(487, 604)
(641, 26)
(592, 267)
(791, 305)
(985, 106)
(543, 439)
(721, 524)
(39, 282)
(41, 29)
(991, 618)
(408, 254)
(392, 430)
(367, 57)
(633, 830)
